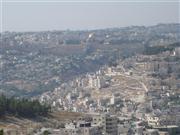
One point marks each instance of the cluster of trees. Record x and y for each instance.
(22, 107)
(123, 41)
(72, 42)
(156, 50)
(153, 50)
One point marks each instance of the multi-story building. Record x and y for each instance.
(111, 125)
(153, 120)
(81, 128)
(96, 81)
(107, 122)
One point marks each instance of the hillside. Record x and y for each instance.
(35, 62)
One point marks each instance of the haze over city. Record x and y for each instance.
(42, 16)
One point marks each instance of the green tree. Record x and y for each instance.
(1, 132)
(46, 132)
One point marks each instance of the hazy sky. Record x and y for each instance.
(40, 16)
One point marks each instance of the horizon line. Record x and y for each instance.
(94, 29)
(90, 1)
